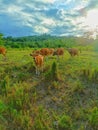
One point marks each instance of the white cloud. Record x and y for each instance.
(61, 13)
(48, 22)
(31, 1)
(12, 9)
(68, 1)
(83, 3)
(46, 1)
(41, 29)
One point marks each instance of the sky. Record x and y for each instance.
(54, 17)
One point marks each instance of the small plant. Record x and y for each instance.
(2, 107)
(65, 123)
(82, 127)
(78, 87)
(5, 86)
(93, 118)
(55, 84)
(42, 120)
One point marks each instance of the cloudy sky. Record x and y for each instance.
(55, 17)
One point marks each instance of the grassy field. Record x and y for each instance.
(63, 97)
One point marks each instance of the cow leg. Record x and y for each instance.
(41, 68)
(38, 73)
(36, 70)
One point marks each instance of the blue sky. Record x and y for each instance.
(55, 17)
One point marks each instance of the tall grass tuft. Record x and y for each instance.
(4, 86)
(93, 118)
(90, 74)
(53, 73)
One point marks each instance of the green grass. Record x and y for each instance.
(64, 96)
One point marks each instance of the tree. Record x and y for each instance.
(1, 39)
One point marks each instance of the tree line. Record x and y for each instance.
(42, 41)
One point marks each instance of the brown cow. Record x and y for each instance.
(39, 60)
(59, 52)
(43, 51)
(3, 51)
(73, 51)
(51, 51)
(36, 52)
